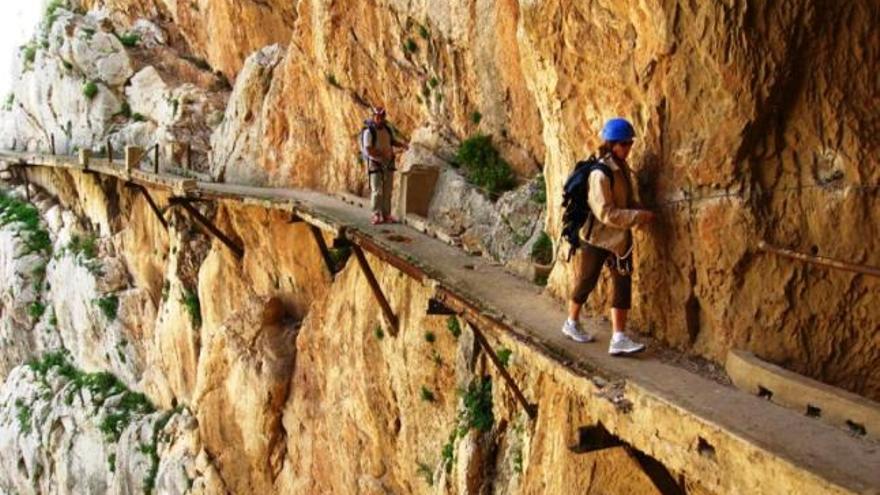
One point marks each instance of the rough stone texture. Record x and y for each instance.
(50, 433)
(146, 94)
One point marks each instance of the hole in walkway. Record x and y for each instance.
(856, 428)
(398, 238)
(705, 448)
(813, 411)
(764, 393)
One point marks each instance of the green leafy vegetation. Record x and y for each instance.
(542, 250)
(166, 290)
(484, 166)
(109, 306)
(427, 395)
(539, 191)
(90, 90)
(36, 309)
(331, 80)
(379, 333)
(477, 412)
(88, 33)
(425, 472)
(447, 453)
(35, 238)
(137, 117)
(152, 451)
(504, 355)
(410, 46)
(430, 337)
(101, 386)
(124, 110)
(51, 12)
(453, 326)
(476, 117)
(423, 32)
(190, 301)
(85, 247)
(29, 53)
(433, 82)
(10, 101)
(23, 414)
(129, 40)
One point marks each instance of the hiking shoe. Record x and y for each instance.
(574, 331)
(624, 345)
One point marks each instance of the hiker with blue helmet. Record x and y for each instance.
(605, 237)
(377, 142)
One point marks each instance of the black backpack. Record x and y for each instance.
(576, 211)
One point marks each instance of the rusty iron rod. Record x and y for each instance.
(377, 290)
(109, 153)
(820, 260)
(156, 159)
(52, 143)
(153, 206)
(531, 409)
(229, 243)
(322, 246)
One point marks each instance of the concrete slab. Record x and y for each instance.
(809, 397)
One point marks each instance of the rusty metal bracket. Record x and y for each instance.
(146, 194)
(325, 251)
(820, 260)
(531, 409)
(377, 291)
(228, 242)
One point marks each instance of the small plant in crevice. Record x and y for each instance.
(378, 332)
(50, 15)
(166, 290)
(151, 450)
(23, 414)
(427, 395)
(111, 462)
(83, 246)
(26, 218)
(10, 100)
(410, 46)
(90, 90)
(137, 117)
(430, 337)
(476, 117)
(423, 32)
(477, 407)
(504, 355)
(36, 309)
(425, 472)
(190, 301)
(453, 326)
(435, 356)
(539, 190)
(484, 166)
(129, 40)
(331, 80)
(447, 452)
(542, 250)
(124, 110)
(433, 82)
(109, 306)
(339, 257)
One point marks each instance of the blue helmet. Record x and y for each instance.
(618, 129)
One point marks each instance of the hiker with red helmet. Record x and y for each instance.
(377, 142)
(597, 224)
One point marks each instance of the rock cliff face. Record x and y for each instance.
(755, 121)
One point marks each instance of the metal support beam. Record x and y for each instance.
(235, 248)
(377, 291)
(156, 159)
(52, 143)
(531, 409)
(153, 206)
(322, 246)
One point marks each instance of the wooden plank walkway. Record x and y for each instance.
(754, 443)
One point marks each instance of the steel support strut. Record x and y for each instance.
(235, 248)
(377, 291)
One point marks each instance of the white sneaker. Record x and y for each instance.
(624, 345)
(574, 331)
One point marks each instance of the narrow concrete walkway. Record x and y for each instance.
(836, 461)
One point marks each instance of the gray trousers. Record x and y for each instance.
(381, 182)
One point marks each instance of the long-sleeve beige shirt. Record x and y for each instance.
(612, 210)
